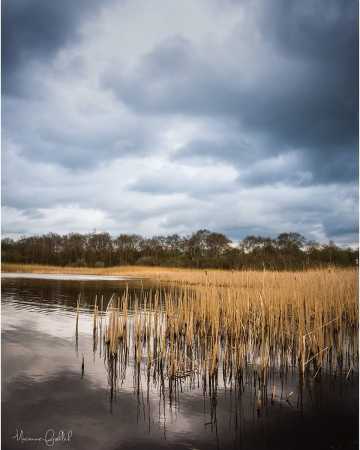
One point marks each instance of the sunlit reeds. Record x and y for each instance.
(236, 325)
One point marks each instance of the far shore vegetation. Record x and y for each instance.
(202, 250)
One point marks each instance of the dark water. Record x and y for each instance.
(45, 391)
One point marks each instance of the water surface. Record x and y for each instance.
(45, 387)
(65, 276)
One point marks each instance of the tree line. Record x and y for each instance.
(202, 249)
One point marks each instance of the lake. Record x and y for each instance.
(58, 389)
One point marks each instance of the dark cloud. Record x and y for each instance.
(225, 147)
(261, 164)
(34, 30)
(319, 29)
(336, 230)
(304, 97)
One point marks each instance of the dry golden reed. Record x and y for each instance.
(195, 324)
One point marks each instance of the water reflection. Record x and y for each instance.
(116, 401)
(64, 277)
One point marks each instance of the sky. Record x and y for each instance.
(170, 116)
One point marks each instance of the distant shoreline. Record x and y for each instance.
(131, 271)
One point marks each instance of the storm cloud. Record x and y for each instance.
(235, 116)
(35, 30)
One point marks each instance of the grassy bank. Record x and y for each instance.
(203, 277)
(118, 270)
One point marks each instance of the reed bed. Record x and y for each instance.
(133, 271)
(239, 327)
